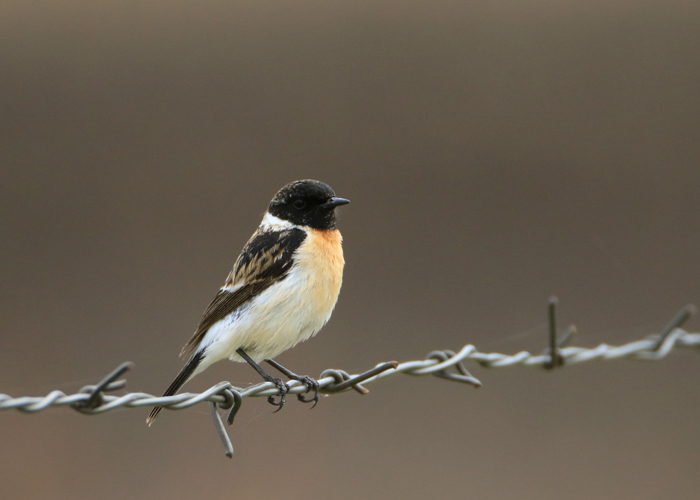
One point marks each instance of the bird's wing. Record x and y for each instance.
(267, 258)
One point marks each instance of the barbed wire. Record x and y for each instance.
(333, 381)
(92, 399)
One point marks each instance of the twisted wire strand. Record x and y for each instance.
(437, 363)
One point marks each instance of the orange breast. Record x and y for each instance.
(323, 255)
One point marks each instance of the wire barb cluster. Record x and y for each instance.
(444, 364)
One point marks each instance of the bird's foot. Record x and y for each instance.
(283, 389)
(311, 385)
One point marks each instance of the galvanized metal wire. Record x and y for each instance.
(446, 364)
(332, 381)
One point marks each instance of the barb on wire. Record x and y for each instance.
(555, 357)
(681, 317)
(92, 400)
(221, 430)
(109, 383)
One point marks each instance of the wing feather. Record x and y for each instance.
(267, 258)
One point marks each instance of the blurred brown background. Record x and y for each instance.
(495, 152)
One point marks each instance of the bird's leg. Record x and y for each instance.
(311, 384)
(283, 388)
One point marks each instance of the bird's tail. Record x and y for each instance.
(179, 381)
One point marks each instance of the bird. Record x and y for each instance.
(281, 291)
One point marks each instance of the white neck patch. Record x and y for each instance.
(270, 222)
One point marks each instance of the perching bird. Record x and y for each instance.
(281, 291)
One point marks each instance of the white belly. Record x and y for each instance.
(285, 314)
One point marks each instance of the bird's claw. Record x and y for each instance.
(283, 390)
(311, 385)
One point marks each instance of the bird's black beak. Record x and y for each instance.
(335, 202)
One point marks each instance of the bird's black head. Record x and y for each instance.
(307, 203)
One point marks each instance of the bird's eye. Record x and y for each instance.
(299, 204)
